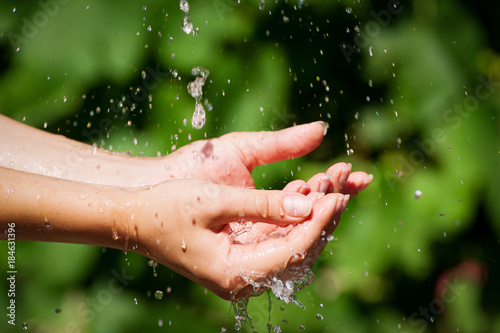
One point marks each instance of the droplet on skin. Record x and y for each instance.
(183, 245)
(281, 212)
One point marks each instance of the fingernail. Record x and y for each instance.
(325, 126)
(348, 167)
(370, 178)
(345, 201)
(297, 205)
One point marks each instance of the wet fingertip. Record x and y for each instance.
(325, 126)
(369, 179)
(345, 200)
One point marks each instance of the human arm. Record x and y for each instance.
(183, 224)
(229, 159)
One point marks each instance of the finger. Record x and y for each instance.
(258, 148)
(357, 182)
(298, 186)
(320, 182)
(236, 204)
(339, 174)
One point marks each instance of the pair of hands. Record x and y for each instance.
(205, 219)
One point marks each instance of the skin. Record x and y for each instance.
(180, 210)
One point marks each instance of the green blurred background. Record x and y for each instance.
(411, 93)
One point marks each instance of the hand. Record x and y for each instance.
(231, 158)
(197, 238)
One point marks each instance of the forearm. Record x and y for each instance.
(49, 209)
(25, 148)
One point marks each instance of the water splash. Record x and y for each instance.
(187, 26)
(195, 89)
(295, 279)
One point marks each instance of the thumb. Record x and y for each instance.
(259, 148)
(236, 204)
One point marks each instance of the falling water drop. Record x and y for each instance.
(158, 294)
(262, 4)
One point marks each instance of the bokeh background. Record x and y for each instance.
(410, 90)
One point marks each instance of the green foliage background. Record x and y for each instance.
(416, 104)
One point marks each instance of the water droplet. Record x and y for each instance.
(441, 214)
(199, 116)
(158, 294)
(160, 322)
(25, 325)
(281, 212)
(58, 310)
(348, 10)
(135, 301)
(262, 4)
(302, 327)
(168, 290)
(417, 194)
(319, 316)
(187, 26)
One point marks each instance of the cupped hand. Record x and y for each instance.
(188, 225)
